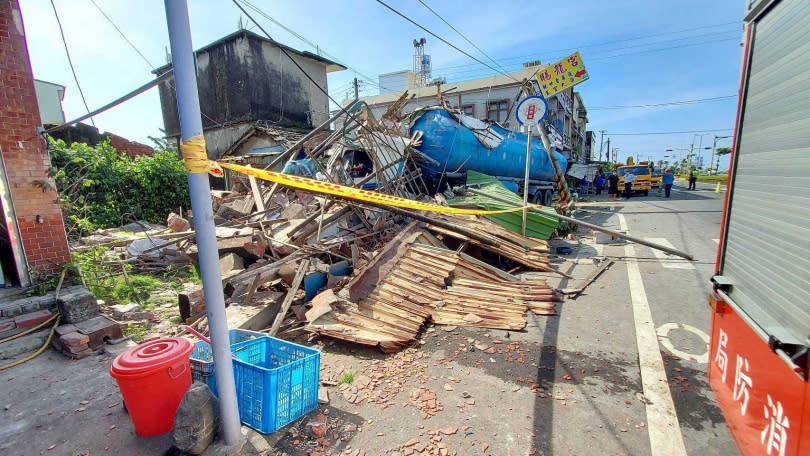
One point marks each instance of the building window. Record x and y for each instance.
(468, 110)
(498, 111)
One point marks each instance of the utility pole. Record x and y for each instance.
(608, 150)
(356, 89)
(601, 143)
(188, 106)
(714, 148)
(689, 158)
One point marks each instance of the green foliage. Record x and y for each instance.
(100, 188)
(136, 330)
(347, 378)
(137, 289)
(194, 274)
(45, 282)
(723, 150)
(106, 280)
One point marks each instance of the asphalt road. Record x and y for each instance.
(646, 295)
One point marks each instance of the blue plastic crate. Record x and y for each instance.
(276, 382)
(202, 360)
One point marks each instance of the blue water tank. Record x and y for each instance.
(455, 148)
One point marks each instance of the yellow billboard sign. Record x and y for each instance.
(561, 75)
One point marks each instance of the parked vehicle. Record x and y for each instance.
(656, 177)
(759, 345)
(642, 182)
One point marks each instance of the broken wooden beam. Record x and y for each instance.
(285, 306)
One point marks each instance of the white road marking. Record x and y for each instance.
(669, 261)
(662, 421)
(716, 241)
(663, 337)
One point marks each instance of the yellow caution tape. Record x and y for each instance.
(196, 158)
(357, 194)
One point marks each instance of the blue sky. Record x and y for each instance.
(637, 52)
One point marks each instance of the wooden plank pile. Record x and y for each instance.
(530, 252)
(415, 278)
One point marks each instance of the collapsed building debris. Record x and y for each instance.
(294, 261)
(415, 278)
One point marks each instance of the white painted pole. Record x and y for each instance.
(526, 180)
(188, 107)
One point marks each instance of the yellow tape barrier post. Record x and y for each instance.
(356, 194)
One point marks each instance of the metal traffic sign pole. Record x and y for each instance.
(529, 112)
(526, 180)
(188, 107)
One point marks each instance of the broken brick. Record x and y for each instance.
(74, 339)
(32, 319)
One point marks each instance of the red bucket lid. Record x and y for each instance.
(151, 355)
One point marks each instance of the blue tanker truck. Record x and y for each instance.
(452, 144)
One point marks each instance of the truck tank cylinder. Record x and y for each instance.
(455, 147)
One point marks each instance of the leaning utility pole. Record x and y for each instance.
(188, 107)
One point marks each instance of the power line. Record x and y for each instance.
(284, 51)
(122, 34)
(670, 132)
(602, 56)
(70, 62)
(671, 103)
(605, 43)
(664, 49)
(304, 39)
(462, 35)
(443, 40)
(596, 59)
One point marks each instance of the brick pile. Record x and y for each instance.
(81, 339)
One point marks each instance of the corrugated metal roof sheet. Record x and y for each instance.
(537, 225)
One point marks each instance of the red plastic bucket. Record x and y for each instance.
(153, 377)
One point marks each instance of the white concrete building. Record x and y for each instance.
(49, 99)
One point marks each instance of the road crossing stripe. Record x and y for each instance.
(663, 428)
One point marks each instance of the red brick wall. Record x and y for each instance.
(25, 154)
(131, 148)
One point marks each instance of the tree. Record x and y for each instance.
(102, 188)
(723, 150)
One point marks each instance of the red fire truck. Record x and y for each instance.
(761, 299)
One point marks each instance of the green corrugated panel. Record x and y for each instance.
(537, 225)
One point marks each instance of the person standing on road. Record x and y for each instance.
(693, 179)
(668, 180)
(613, 186)
(600, 182)
(629, 178)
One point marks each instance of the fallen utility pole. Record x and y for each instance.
(153, 83)
(593, 227)
(188, 107)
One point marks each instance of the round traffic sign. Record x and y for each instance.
(531, 110)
